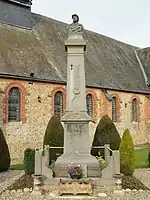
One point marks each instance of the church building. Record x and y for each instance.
(33, 75)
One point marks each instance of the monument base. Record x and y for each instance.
(91, 164)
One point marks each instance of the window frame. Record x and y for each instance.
(12, 104)
(134, 118)
(96, 113)
(22, 91)
(61, 109)
(114, 115)
(92, 107)
(58, 89)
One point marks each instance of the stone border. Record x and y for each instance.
(25, 190)
(29, 190)
(7, 184)
(134, 190)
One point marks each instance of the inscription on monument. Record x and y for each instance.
(77, 77)
(74, 128)
(76, 89)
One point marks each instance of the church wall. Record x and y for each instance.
(37, 112)
(140, 130)
(21, 135)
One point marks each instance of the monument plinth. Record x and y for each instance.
(76, 120)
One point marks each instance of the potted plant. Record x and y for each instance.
(75, 171)
(100, 159)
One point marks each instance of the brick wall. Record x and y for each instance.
(35, 114)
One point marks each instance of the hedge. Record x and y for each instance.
(149, 159)
(106, 133)
(54, 136)
(29, 161)
(4, 153)
(127, 158)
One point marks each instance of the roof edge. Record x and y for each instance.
(91, 31)
(142, 68)
(25, 78)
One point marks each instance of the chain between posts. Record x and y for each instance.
(95, 147)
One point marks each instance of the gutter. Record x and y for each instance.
(31, 80)
(107, 95)
(141, 67)
(23, 4)
(25, 78)
(16, 26)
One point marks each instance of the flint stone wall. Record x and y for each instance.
(21, 135)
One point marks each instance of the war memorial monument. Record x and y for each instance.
(76, 120)
(76, 150)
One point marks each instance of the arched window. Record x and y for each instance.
(134, 110)
(89, 104)
(58, 104)
(114, 109)
(14, 104)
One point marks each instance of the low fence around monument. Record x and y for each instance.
(107, 151)
(110, 167)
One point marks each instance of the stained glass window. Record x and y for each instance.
(14, 104)
(114, 109)
(58, 104)
(89, 104)
(134, 110)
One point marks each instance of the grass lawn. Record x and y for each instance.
(17, 167)
(141, 158)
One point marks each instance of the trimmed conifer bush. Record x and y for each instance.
(29, 161)
(127, 158)
(149, 159)
(4, 153)
(106, 133)
(54, 137)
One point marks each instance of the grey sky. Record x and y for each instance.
(125, 20)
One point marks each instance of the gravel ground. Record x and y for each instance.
(144, 195)
(143, 175)
(9, 177)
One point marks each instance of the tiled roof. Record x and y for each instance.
(108, 63)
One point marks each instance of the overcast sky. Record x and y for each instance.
(124, 20)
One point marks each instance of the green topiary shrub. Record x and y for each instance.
(54, 136)
(4, 154)
(29, 161)
(106, 133)
(127, 158)
(149, 159)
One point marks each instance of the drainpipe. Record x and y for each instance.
(141, 67)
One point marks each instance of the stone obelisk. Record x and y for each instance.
(76, 120)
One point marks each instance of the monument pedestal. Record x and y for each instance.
(76, 146)
(93, 168)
